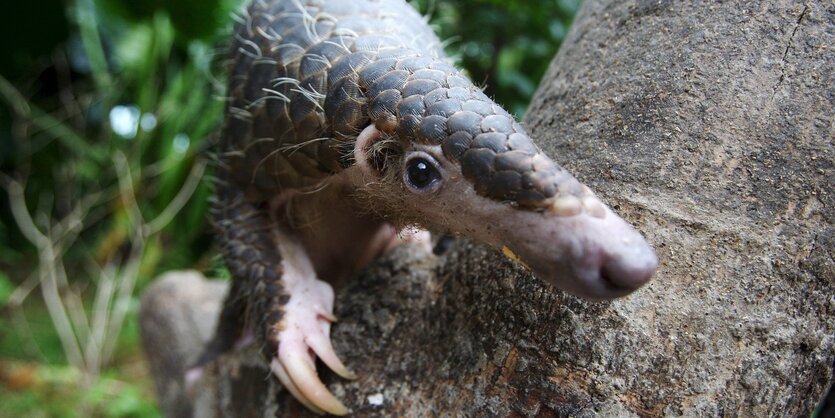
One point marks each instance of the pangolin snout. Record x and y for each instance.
(592, 255)
(608, 257)
(629, 273)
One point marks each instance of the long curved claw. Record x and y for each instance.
(285, 380)
(322, 346)
(303, 375)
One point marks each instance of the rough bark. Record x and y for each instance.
(710, 127)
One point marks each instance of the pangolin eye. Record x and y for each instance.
(422, 174)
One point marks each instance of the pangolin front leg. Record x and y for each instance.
(303, 333)
(274, 292)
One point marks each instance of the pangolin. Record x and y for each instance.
(345, 124)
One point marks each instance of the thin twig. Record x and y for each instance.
(126, 278)
(183, 196)
(57, 310)
(101, 315)
(22, 291)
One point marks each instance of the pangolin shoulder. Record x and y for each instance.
(296, 98)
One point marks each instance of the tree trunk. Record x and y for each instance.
(709, 127)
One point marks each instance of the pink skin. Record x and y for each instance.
(584, 255)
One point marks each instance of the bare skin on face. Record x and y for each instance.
(576, 243)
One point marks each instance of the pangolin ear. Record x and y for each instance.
(373, 150)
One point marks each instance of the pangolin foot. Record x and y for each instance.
(305, 335)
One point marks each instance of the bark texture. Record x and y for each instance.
(710, 127)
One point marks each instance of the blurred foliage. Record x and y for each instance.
(96, 92)
(505, 45)
(109, 106)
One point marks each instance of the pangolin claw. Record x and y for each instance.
(321, 345)
(298, 374)
(305, 337)
(327, 316)
(285, 380)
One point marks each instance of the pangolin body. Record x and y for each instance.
(346, 122)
